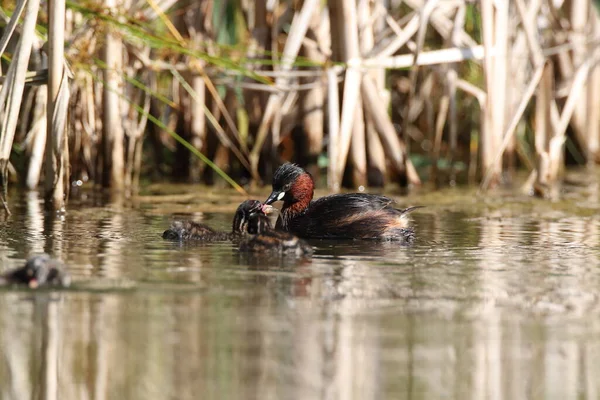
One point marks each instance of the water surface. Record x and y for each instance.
(498, 298)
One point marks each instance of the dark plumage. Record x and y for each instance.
(267, 240)
(190, 230)
(339, 216)
(39, 270)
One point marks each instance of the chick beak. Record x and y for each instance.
(275, 196)
(33, 284)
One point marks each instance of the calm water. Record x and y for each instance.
(497, 299)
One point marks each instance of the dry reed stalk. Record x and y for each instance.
(258, 42)
(580, 52)
(575, 93)
(112, 130)
(376, 173)
(89, 122)
(544, 131)
(135, 133)
(12, 24)
(512, 125)
(493, 69)
(347, 44)
(421, 105)
(296, 34)
(358, 147)
(439, 130)
(441, 21)
(399, 39)
(312, 105)
(500, 104)
(473, 90)
(279, 123)
(395, 149)
(333, 112)
(452, 82)
(12, 93)
(223, 137)
(427, 58)
(60, 145)
(312, 101)
(191, 109)
(197, 126)
(375, 153)
(424, 14)
(58, 99)
(38, 134)
(352, 122)
(519, 67)
(224, 111)
(528, 22)
(594, 100)
(528, 18)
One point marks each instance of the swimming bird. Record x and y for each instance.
(338, 216)
(191, 230)
(39, 270)
(265, 239)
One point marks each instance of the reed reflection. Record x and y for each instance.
(485, 304)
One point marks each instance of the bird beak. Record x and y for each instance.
(275, 196)
(267, 209)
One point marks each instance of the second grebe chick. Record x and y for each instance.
(190, 230)
(267, 240)
(338, 216)
(39, 270)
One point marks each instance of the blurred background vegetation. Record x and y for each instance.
(366, 92)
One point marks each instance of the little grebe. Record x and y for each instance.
(267, 240)
(40, 270)
(190, 230)
(338, 216)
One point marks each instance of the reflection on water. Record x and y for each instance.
(492, 301)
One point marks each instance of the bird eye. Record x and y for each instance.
(287, 187)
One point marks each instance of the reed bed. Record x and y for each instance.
(377, 92)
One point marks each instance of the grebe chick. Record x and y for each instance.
(39, 270)
(338, 216)
(190, 230)
(267, 240)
